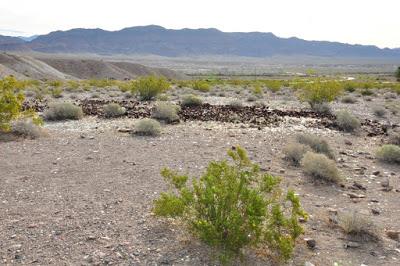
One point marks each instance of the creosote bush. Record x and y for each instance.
(113, 110)
(320, 167)
(191, 100)
(11, 101)
(349, 99)
(359, 227)
(63, 111)
(234, 205)
(389, 153)
(316, 143)
(147, 127)
(322, 108)
(166, 112)
(294, 152)
(347, 122)
(318, 92)
(201, 85)
(236, 104)
(149, 87)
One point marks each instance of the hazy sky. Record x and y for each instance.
(352, 21)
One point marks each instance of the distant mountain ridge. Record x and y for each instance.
(156, 40)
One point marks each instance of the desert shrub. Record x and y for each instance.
(113, 110)
(166, 112)
(201, 85)
(233, 205)
(95, 95)
(379, 111)
(11, 104)
(257, 90)
(347, 122)
(322, 108)
(149, 87)
(56, 92)
(398, 73)
(319, 92)
(294, 152)
(163, 97)
(366, 92)
(251, 98)
(26, 128)
(63, 111)
(191, 100)
(316, 143)
(72, 85)
(55, 83)
(349, 99)
(349, 86)
(394, 138)
(273, 85)
(236, 104)
(320, 167)
(147, 127)
(355, 225)
(389, 153)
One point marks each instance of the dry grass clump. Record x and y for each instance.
(63, 111)
(349, 99)
(389, 153)
(191, 100)
(294, 152)
(166, 112)
(236, 104)
(322, 108)
(379, 111)
(27, 129)
(320, 167)
(394, 138)
(316, 143)
(148, 127)
(355, 225)
(113, 110)
(347, 122)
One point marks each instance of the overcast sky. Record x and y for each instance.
(351, 21)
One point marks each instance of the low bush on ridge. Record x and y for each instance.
(63, 111)
(320, 167)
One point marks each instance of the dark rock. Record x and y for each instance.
(311, 243)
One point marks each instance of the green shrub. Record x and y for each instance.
(349, 99)
(201, 85)
(148, 127)
(26, 128)
(398, 73)
(149, 87)
(113, 110)
(316, 143)
(320, 167)
(358, 226)
(319, 92)
(257, 90)
(367, 92)
(63, 111)
(234, 205)
(166, 112)
(379, 111)
(389, 153)
(11, 104)
(191, 100)
(347, 122)
(294, 152)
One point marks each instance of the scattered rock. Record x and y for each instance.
(348, 142)
(311, 243)
(91, 238)
(375, 211)
(307, 263)
(355, 196)
(351, 244)
(357, 186)
(376, 173)
(392, 234)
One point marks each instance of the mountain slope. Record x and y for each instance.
(157, 40)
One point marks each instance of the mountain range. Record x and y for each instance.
(156, 40)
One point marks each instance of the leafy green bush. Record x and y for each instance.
(63, 111)
(257, 90)
(389, 153)
(149, 87)
(148, 127)
(320, 167)
(234, 205)
(113, 110)
(201, 85)
(358, 226)
(166, 112)
(11, 104)
(294, 152)
(56, 92)
(347, 122)
(191, 100)
(316, 143)
(318, 92)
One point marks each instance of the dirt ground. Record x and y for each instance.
(83, 194)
